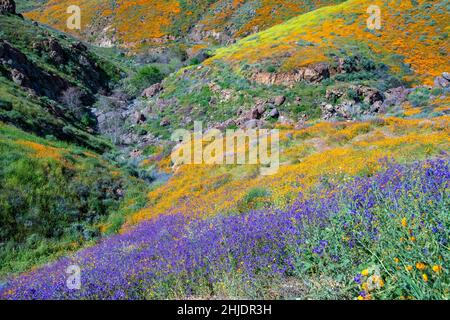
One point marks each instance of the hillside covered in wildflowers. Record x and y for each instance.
(388, 232)
(353, 98)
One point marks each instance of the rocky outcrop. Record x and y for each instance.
(442, 81)
(139, 117)
(257, 117)
(56, 51)
(152, 91)
(368, 95)
(279, 100)
(257, 112)
(7, 7)
(223, 95)
(345, 110)
(313, 74)
(334, 94)
(28, 75)
(395, 96)
(349, 110)
(118, 117)
(274, 113)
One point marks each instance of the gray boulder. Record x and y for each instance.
(7, 7)
(274, 113)
(251, 124)
(151, 91)
(279, 100)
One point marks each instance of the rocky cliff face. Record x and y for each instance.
(49, 82)
(315, 73)
(27, 74)
(87, 69)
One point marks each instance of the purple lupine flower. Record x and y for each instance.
(358, 278)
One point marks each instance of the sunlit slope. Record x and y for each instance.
(413, 39)
(242, 17)
(43, 211)
(332, 152)
(131, 22)
(56, 190)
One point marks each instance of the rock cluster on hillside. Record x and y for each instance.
(151, 91)
(27, 74)
(313, 74)
(442, 81)
(362, 101)
(7, 6)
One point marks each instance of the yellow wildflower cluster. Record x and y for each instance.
(42, 151)
(370, 281)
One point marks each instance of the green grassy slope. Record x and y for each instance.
(58, 189)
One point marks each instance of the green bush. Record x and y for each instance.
(419, 97)
(256, 198)
(143, 79)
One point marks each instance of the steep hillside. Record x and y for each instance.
(357, 204)
(412, 41)
(49, 80)
(324, 59)
(134, 23)
(55, 197)
(56, 189)
(294, 76)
